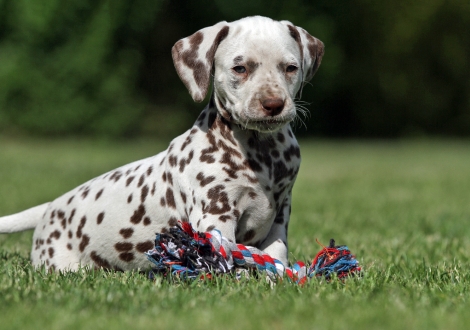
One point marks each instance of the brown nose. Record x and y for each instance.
(273, 106)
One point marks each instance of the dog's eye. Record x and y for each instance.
(291, 68)
(239, 69)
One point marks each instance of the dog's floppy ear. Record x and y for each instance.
(312, 50)
(193, 57)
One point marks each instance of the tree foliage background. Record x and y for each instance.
(104, 68)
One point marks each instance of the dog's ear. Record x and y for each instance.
(193, 58)
(312, 50)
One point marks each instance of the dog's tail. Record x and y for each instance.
(25, 220)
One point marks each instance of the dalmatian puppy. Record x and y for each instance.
(233, 170)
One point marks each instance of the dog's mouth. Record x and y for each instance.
(246, 119)
(266, 125)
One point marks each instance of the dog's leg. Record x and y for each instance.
(275, 243)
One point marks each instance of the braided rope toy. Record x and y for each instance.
(188, 254)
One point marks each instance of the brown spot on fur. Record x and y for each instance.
(170, 178)
(252, 194)
(126, 232)
(80, 226)
(129, 199)
(144, 246)
(211, 227)
(99, 262)
(204, 180)
(51, 252)
(154, 186)
(170, 198)
(184, 162)
(123, 246)
(144, 192)
(238, 60)
(186, 142)
(69, 246)
(126, 256)
(162, 202)
(70, 200)
(294, 34)
(173, 160)
(71, 216)
(70, 234)
(236, 213)
(115, 176)
(207, 158)
(149, 170)
(224, 218)
(129, 180)
(55, 234)
(98, 194)
(138, 214)
(219, 202)
(147, 221)
(232, 168)
(183, 197)
(218, 39)
(100, 218)
(206, 154)
(250, 178)
(173, 222)
(84, 243)
(85, 193)
(141, 180)
(225, 129)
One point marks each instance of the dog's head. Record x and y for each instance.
(258, 65)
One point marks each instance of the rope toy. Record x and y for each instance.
(188, 254)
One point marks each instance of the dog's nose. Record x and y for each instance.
(272, 106)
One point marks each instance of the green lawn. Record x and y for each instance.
(402, 207)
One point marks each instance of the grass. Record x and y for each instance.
(402, 207)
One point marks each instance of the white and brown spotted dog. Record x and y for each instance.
(233, 170)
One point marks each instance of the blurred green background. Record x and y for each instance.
(103, 68)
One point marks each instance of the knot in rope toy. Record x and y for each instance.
(188, 254)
